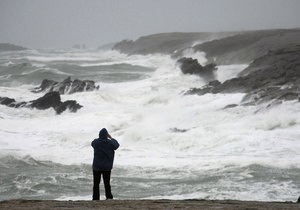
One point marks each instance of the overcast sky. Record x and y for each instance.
(63, 23)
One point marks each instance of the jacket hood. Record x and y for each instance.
(103, 134)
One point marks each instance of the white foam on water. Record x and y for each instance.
(226, 72)
(159, 127)
(75, 56)
(45, 70)
(77, 198)
(200, 56)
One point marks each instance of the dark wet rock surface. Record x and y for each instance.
(49, 100)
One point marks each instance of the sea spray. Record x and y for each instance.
(172, 145)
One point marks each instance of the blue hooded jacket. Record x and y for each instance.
(104, 151)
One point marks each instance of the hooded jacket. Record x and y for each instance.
(104, 151)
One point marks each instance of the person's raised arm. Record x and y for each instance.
(114, 142)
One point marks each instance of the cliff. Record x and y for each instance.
(166, 43)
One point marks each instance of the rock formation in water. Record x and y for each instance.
(192, 66)
(49, 100)
(67, 86)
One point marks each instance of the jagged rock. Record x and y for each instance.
(67, 86)
(10, 102)
(230, 106)
(72, 105)
(205, 89)
(199, 91)
(6, 101)
(49, 100)
(177, 130)
(192, 66)
(80, 86)
(189, 65)
(45, 85)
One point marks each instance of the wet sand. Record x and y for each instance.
(147, 204)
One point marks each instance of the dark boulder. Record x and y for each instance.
(49, 100)
(189, 65)
(177, 130)
(71, 105)
(10, 102)
(52, 99)
(199, 91)
(67, 86)
(192, 66)
(229, 106)
(6, 101)
(17, 104)
(80, 86)
(205, 89)
(46, 86)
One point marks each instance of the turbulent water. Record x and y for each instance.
(173, 145)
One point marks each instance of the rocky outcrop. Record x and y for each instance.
(239, 47)
(10, 47)
(166, 43)
(67, 86)
(192, 66)
(247, 46)
(49, 100)
(52, 97)
(275, 76)
(209, 88)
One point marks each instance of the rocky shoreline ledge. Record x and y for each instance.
(148, 204)
(271, 78)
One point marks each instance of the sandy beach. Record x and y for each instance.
(147, 204)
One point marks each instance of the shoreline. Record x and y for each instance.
(147, 204)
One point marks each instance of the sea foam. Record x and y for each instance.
(166, 137)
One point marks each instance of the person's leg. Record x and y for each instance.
(106, 179)
(96, 191)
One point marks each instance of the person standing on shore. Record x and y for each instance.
(104, 152)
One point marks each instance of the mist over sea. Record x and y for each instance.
(173, 145)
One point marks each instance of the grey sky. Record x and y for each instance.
(63, 23)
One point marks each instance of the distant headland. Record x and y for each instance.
(11, 47)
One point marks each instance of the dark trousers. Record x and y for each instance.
(106, 180)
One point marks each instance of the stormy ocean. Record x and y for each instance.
(173, 146)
